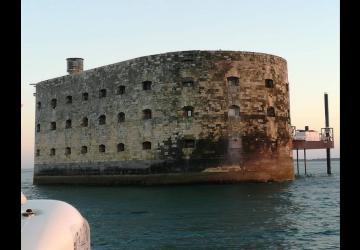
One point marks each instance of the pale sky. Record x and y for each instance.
(306, 33)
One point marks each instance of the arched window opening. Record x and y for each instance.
(85, 96)
(67, 151)
(38, 128)
(188, 111)
(121, 117)
(271, 111)
(269, 83)
(147, 114)
(52, 152)
(53, 103)
(102, 119)
(120, 90)
(68, 124)
(189, 143)
(102, 148)
(53, 125)
(120, 147)
(234, 111)
(84, 150)
(37, 152)
(69, 99)
(85, 122)
(146, 85)
(188, 83)
(38, 105)
(146, 145)
(233, 81)
(102, 93)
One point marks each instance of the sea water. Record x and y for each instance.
(302, 214)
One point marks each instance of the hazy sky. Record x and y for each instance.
(306, 33)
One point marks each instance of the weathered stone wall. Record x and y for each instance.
(252, 139)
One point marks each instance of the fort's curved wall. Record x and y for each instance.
(221, 113)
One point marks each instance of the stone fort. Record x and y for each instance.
(178, 117)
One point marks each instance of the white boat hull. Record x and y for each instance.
(54, 225)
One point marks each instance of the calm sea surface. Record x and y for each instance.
(303, 214)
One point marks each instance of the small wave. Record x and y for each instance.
(139, 212)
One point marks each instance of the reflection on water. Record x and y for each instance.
(293, 215)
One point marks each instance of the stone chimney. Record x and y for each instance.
(74, 65)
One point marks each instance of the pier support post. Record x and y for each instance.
(305, 159)
(297, 161)
(328, 162)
